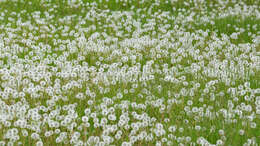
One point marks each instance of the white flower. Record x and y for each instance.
(126, 144)
(172, 128)
(219, 142)
(221, 132)
(24, 133)
(39, 143)
(85, 119)
(35, 136)
(87, 111)
(253, 125)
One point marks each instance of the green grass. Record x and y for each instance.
(175, 111)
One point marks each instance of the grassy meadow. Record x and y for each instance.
(130, 72)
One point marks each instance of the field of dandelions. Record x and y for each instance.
(129, 72)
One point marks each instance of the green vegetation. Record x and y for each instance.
(129, 72)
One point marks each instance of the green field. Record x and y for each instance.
(130, 72)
